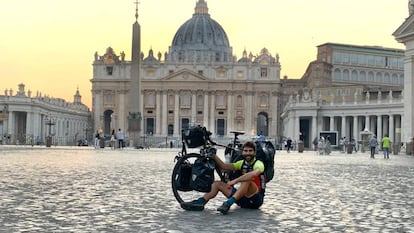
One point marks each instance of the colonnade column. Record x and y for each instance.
(314, 127)
(355, 128)
(343, 127)
(391, 129)
(177, 131)
(158, 113)
(367, 126)
(164, 109)
(296, 128)
(331, 123)
(11, 128)
(379, 126)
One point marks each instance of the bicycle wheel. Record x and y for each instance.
(181, 176)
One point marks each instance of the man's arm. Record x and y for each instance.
(221, 165)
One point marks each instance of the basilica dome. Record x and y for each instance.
(200, 39)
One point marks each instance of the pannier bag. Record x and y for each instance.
(195, 136)
(202, 175)
(182, 179)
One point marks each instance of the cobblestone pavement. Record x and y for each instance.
(86, 190)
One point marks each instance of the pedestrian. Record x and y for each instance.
(288, 144)
(373, 143)
(386, 143)
(327, 146)
(96, 139)
(120, 136)
(315, 144)
(250, 192)
(113, 139)
(320, 145)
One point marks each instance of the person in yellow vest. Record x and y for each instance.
(386, 143)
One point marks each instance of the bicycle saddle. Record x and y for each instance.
(237, 133)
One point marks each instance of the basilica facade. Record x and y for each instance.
(197, 82)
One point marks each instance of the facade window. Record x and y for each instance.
(220, 127)
(109, 70)
(150, 126)
(171, 100)
(150, 73)
(185, 101)
(337, 74)
(263, 101)
(239, 101)
(108, 98)
(220, 101)
(363, 76)
(200, 100)
(170, 129)
(240, 74)
(150, 100)
(370, 77)
(263, 72)
(346, 75)
(221, 73)
(185, 123)
(354, 75)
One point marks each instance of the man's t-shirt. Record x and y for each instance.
(257, 164)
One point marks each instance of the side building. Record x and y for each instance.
(27, 119)
(353, 90)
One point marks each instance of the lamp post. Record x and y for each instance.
(49, 122)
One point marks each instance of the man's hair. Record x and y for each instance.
(250, 144)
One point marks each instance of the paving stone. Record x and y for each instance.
(71, 189)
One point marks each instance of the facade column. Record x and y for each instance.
(391, 129)
(164, 109)
(249, 113)
(205, 111)
(212, 125)
(157, 113)
(193, 108)
(230, 112)
(398, 129)
(331, 123)
(177, 131)
(379, 126)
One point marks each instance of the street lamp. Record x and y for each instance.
(49, 122)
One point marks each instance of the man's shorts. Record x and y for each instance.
(253, 202)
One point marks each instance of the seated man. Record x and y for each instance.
(250, 193)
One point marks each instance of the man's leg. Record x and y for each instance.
(198, 204)
(247, 189)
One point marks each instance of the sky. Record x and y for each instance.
(49, 45)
